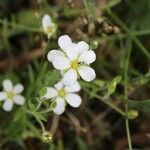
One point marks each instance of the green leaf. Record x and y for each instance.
(99, 83)
(43, 91)
(71, 12)
(113, 3)
(113, 84)
(31, 106)
(117, 79)
(81, 144)
(39, 116)
(111, 88)
(138, 103)
(31, 74)
(53, 105)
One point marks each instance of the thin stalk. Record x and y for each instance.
(45, 111)
(124, 35)
(104, 100)
(86, 7)
(37, 119)
(127, 60)
(20, 26)
(134, 38)
(40, 122)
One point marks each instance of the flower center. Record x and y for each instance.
(74, 64)
(62, 93)
(10, 95)
(49, 29)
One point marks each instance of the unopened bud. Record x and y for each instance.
(47, 137)
(132, 114)
(94, 45)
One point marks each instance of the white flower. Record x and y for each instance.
(11, 95)
(62, 94)
(73, 60)
(48, 26)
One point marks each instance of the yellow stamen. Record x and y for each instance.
(62, 93)
(49, 29)
(10, 95)
(74, 64)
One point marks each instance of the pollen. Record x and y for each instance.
(62, 93)
(10, 95)
(74, 64)
(49, 29)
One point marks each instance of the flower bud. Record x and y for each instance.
(116, 29)
(49, 27)
(47, 137)
(94, 45)
(132, 114)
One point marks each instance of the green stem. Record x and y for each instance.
(139, 44)
(20, 26)
(38, 120)
(45, 111)
(127, 60)
(104, 100)
(86, 7)
(124, 35)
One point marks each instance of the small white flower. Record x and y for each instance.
(48, 26)
(73, 60)
(62, 94)
(11, 95)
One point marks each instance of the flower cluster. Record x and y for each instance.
(73, 60)
(11, 95)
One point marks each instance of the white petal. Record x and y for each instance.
(7, 85)
(64, 42)
(61, 63)
(53, 54)
(46, 21)
(3, 96)
(19, 99)
(18, 88)
(72, 52)
(82, 46)
(70, 77)
(51, 92)
(59, 85)
(60, 106)
(87, 57)
(74, 88)
(8, 105)
(87, 73)
(73, 99)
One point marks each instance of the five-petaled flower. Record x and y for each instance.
(11, 95)
(49, 27)
(62, 94)
(73, 60)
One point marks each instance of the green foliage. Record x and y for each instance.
(113, 84)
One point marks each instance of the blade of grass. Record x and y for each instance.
(126, 67)
(139, 44)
